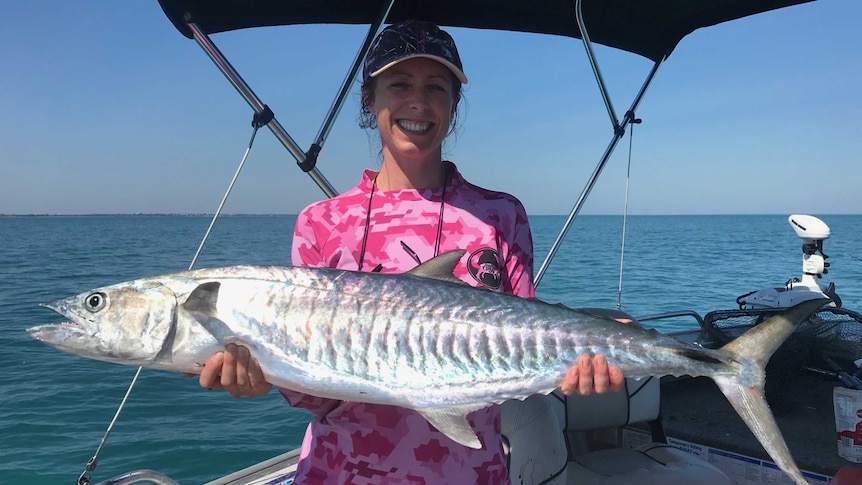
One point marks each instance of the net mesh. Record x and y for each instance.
(833, 332)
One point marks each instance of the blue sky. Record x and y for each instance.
(106, 108)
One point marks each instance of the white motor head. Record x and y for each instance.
(809, 228)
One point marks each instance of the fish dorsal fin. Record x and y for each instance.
(440, 267)
(452, 421)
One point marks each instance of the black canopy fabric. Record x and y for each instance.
(650, 28)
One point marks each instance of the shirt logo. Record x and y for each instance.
(484, 266)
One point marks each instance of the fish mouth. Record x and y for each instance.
(63, 335)
(74, 318)
(58, 306)
(72, 338)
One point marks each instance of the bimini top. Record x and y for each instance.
(650, 28)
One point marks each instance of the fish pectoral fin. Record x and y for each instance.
(201, 305)
(203, 299)
(453, 423)
(217, 328)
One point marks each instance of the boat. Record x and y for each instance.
(655, 431)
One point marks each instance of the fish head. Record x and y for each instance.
(128, 323)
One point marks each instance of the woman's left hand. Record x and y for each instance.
(591, 375)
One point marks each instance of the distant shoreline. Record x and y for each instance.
(147, 214)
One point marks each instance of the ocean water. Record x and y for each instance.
(54, 408)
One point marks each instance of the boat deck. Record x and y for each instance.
(693, 409)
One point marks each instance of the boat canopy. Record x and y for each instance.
(650, 28)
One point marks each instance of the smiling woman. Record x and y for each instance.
(410, 91)
(412, 103)
(417, 207)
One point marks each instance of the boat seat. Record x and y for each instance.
(545, 439)
(533, 439)
(652, 464)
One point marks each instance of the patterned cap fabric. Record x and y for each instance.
(408, 39)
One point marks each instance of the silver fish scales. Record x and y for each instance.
(421, 340)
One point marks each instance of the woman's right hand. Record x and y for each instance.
(235, 371)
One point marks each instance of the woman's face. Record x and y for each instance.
(414, 101)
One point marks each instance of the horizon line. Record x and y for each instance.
(286, 214)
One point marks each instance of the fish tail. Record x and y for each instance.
(745, 392)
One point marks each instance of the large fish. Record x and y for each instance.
(421, 340)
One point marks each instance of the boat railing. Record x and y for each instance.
(140, 476)
(674, 314)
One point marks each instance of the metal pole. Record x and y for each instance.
(618, 134)
(592, 58)
(245, 91)
(351, 75)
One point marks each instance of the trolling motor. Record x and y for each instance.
(813, 232)
(824, 332)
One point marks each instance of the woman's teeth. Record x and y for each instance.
(414, 126)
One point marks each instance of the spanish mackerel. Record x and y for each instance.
(422, 340)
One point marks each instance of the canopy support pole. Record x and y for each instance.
(619, 131)
(338, 102)
(585, 36)
(245, 91)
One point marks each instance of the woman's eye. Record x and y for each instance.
(438, 87)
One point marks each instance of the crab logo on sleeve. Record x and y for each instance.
(484, 267)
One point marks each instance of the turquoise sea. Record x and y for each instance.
(54, 408)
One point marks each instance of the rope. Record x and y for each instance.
(626, 209)
(84, 478)
(258, 121)
(223, 200)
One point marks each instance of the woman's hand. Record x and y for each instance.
(590, 375)
(235, 371)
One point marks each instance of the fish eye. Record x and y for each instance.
(95, 301)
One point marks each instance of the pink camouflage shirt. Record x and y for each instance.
(360, 443)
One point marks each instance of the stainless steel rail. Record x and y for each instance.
(140, 476)
(245, 91)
